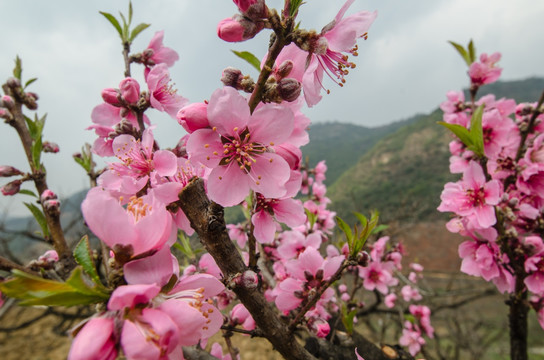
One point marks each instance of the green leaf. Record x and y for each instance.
(250, 58)
(32, 127)
(347, 231)
(40, 218)
(461, 50)
(33, 290)
(476, 131)
(30, 82)
(37, 148)
(312, 218)
(295, 5)
(460, 131)
(114, 22)
(28, 192)
(125, 27)
(347, 319)
(130, 12)
(379, 229)
(184, 246)
(18, 70)
(137, 30)
(84, 257)
(471, 52)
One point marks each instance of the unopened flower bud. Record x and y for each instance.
(284, 69)
(248, 280)
(13, 82)
(130, 90)
(111, 96)
(232, 77)
(124, 127)
(7, 171)
(238, 28)
(52, 206)
(243, 5)
(193, 117)
(289, 89)
(50, 147)
(47, 195)
(7, 102)
(5, 114)
(32, 95)
(11, 188)
(257, 10)
(30, 101)
(363, 258)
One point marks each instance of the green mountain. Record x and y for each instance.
(403, 174)
(341, 145)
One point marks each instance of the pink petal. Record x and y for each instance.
(228, 185)
(165, 162)
(128, 296)
(156, 269)
(198, 151)
(290, 212)
(188, 319)
(271, 124)
(265, 227)
(207, 282)
(95, 341)
(228, 110)
(269, 175)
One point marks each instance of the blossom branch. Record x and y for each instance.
(312, 300)
(530, 127)
(8, 265)
(207, 219)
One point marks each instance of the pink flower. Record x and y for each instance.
(95, 341)
(378, 275)
(389, 300)
(163, 96)
(143, 226)
(239, 148)
(130, 90)
(327, 52)
(472, 197)
(411, 337)
(484, 71)
(161, 54)
(240, 315)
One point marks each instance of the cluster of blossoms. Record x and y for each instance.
(247, 152)
(498, 203)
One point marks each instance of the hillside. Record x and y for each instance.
(403, 175)
(341, 145)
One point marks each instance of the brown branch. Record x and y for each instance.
(530, 127)
(207, 219)
(8, 265)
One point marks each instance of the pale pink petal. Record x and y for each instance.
(209, 283)
(228, 110)
(270, 173)
(128, 296)
(106, 114)
(228, 185)
(271, 124)
(290, 212)
(265, 227)
(165, 162)
(95, 341)
(196, 147)
(156, 269)
(188, 319)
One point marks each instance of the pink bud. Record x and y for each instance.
(243, 5)
(7, 102)
(232, 77)
(130, 90)
(193, 117)
(230, 30)
(50, 147)
(7, 171)
(13, 82)
(5, 114)
(11, 188)
(47, 195)
(111, 96)
(52, 206)
(284, 69)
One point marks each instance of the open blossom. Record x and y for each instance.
(328, 52)
(239, 148)
(163, 96)
(145, 225)
(472, 197)
(484, 71)
(95, 341)
(161, 54)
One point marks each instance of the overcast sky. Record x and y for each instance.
(405, 67)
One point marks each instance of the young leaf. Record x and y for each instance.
(347, 319)
(476, 131)
(32, 127)
(114, 22)
(28, 192)
(460, 131)
(18, 70)
(295, 5)
(40, 218)
(250, 58)
(37, 148)
(29, 82)
(130, 12)
(347, 231)
(84, 257)
(461, 50)
(137, 30)
(312, 218)
(471, 52)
